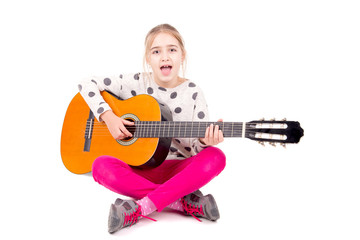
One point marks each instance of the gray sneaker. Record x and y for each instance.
(198, 205)
(124, 213)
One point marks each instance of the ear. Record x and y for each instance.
(183, 57)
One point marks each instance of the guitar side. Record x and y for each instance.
(146, 152)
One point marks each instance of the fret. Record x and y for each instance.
(199, 127)
(155, 133)
(136, 133)
(185, 129)
(232, 130)
(192, 126)
(157, 129)
(169, 129)
(191, 129)
(138, 129)
(142, 130)
(147, 129)
(174, 129)
(162, 127)
(243, 128)
(150, 129)
(179, 129)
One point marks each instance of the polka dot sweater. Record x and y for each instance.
(186, 103)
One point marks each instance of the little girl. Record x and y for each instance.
(191, 162)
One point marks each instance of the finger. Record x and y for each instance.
(211, 131)
(221, 136)
(211, 134)
(125, 131)
(206, 138)
(216, 134)
(207, 135)
(126, 122)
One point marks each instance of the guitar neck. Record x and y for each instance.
(178, 129)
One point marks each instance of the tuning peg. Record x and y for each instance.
(261, 143)
(272, 144)
(273, 119)
(262, 119)
(283, 145)
(284, 119)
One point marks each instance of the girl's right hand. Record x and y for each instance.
(116, 125)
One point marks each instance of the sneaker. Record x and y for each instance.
(123, 213)
(198, 205)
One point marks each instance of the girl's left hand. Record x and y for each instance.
(213, 135)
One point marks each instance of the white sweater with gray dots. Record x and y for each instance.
(186, 103)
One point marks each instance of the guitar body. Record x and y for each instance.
(83, 138)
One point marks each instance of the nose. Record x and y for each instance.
(164, 56)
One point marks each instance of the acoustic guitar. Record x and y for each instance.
(83, 138)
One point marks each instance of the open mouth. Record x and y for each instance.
(166, 70)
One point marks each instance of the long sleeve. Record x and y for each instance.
(123, 86)
(90, 89)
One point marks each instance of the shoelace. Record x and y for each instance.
(192, 209)
(134, 217)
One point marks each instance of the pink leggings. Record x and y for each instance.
(165, 184)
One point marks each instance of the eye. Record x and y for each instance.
(172, 50)
(156, 52)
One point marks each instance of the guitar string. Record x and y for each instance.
(160, 128)
(182, 125)
(168, 130)
(186, 125)
(180, 131)
(186, 136)
(193, 123)
(180, 134)
(183, 128)
(155, 128)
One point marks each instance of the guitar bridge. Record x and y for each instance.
(88, 131)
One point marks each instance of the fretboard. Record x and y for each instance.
(158, 129)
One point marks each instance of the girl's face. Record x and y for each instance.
(165, 59)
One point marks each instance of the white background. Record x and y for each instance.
(253, 59)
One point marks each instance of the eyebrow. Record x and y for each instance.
(170, 45)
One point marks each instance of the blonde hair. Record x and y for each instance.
(163, 28)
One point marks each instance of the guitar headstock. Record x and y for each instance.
(274, 131)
